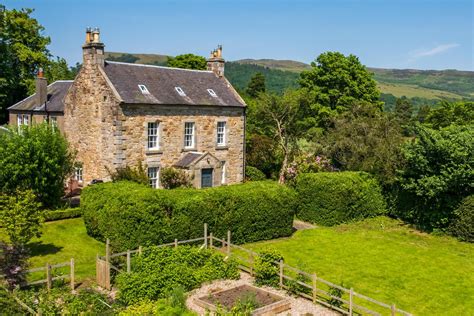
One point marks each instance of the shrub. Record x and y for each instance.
(136, 174)
(131, 215)
(172, 178)
(158, 271)
(253, 174)
(463, 224)
(62, 214)
(267, 269)
(338, 197)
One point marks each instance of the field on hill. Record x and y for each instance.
(388, 261)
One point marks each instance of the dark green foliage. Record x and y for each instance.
(403, 110)
(267, 269)
(36, 158)
(331, 198)
(339, 81)
(462, 225)
(262, 153)
(438, 174)
(131, 215)
(336, 292)
(136, 174)
(13, 264)
(276, 81)
(62, 214)
(172, 178)
(125, 58)
(187, 61)
(253, 174)
(447, 113)
(158, 271)
(256, 85)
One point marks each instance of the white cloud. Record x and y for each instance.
(419, 53)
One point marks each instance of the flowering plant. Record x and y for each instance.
(307, 163)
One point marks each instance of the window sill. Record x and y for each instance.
(223, 147)
(153, 151)
(188, 149)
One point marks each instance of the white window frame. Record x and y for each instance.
(54, 122)
(143, 89)
(153, 174)
(212, 93)
(221, 133)
(79, 174)
(153, 135)
(23, 119)
(189, 134)
(223, 172)
(180, 91)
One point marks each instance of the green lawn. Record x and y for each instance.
(63, 240)
(388, 261)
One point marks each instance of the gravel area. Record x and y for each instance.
(299, 306)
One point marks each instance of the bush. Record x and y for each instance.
(172, 178)
(463, 224)
(136, 174)
(158, 271)
(338, 197)
(267, 269)
(62, 214)
(131, 215)
(253, 174)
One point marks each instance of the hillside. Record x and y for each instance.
(421, 86)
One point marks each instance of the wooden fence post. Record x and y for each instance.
(72, 274)
(176, 243)
(107, 250)
(281, 273)
(228, 243)
(315, 279)
(210, 240)
(205, 235)
(351, 294)
(140, 250)
(251, 264)
(49, 280)
(393, 310)
(129, 267)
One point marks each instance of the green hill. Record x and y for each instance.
(421, 86)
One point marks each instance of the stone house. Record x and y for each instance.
(119, 114)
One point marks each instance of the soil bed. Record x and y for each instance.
(229, 298)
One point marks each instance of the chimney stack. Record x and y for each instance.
(93, 49)
(41, 88)
(216, 62)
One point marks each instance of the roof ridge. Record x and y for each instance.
(156, 66)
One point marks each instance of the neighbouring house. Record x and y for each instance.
(119, 114)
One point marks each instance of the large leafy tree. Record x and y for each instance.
(365, 139)
(338, 82)
(35, 158)
(187, 61)
(256, 85)
(23, 49)
(438, 174)
(447, 113)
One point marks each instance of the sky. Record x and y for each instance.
(416, 34)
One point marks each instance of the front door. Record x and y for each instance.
(206, 178)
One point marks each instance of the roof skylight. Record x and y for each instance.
(212, 93)
(180, 91)
(143, 88)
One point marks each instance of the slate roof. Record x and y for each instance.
(162, 81)
(56, 93)
(188, 159)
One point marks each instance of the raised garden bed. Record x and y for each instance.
(267, 303)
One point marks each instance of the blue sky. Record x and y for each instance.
(417, 34)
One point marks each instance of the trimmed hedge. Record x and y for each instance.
(331, 198)
(62, 214)
(254, 174)
(131, 214)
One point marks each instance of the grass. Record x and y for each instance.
(62, 240)
(410, 91)
(388, 261)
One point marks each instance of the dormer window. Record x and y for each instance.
(180, 91)
(212, 93)
(143, 89)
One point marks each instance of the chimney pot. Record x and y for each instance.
(216, 62)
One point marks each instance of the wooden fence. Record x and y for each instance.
(304, 284)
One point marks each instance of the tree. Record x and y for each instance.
(256, 85)
(20, 216)
(365, 139)
(459, 113)
(187, 61)
(437, 175)
(403, 110)
(35, 158)
(283, 116)
(423, 113)
(172, 178)
(339, 82)
(23, 49)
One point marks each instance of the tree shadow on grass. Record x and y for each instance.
(39, 249)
